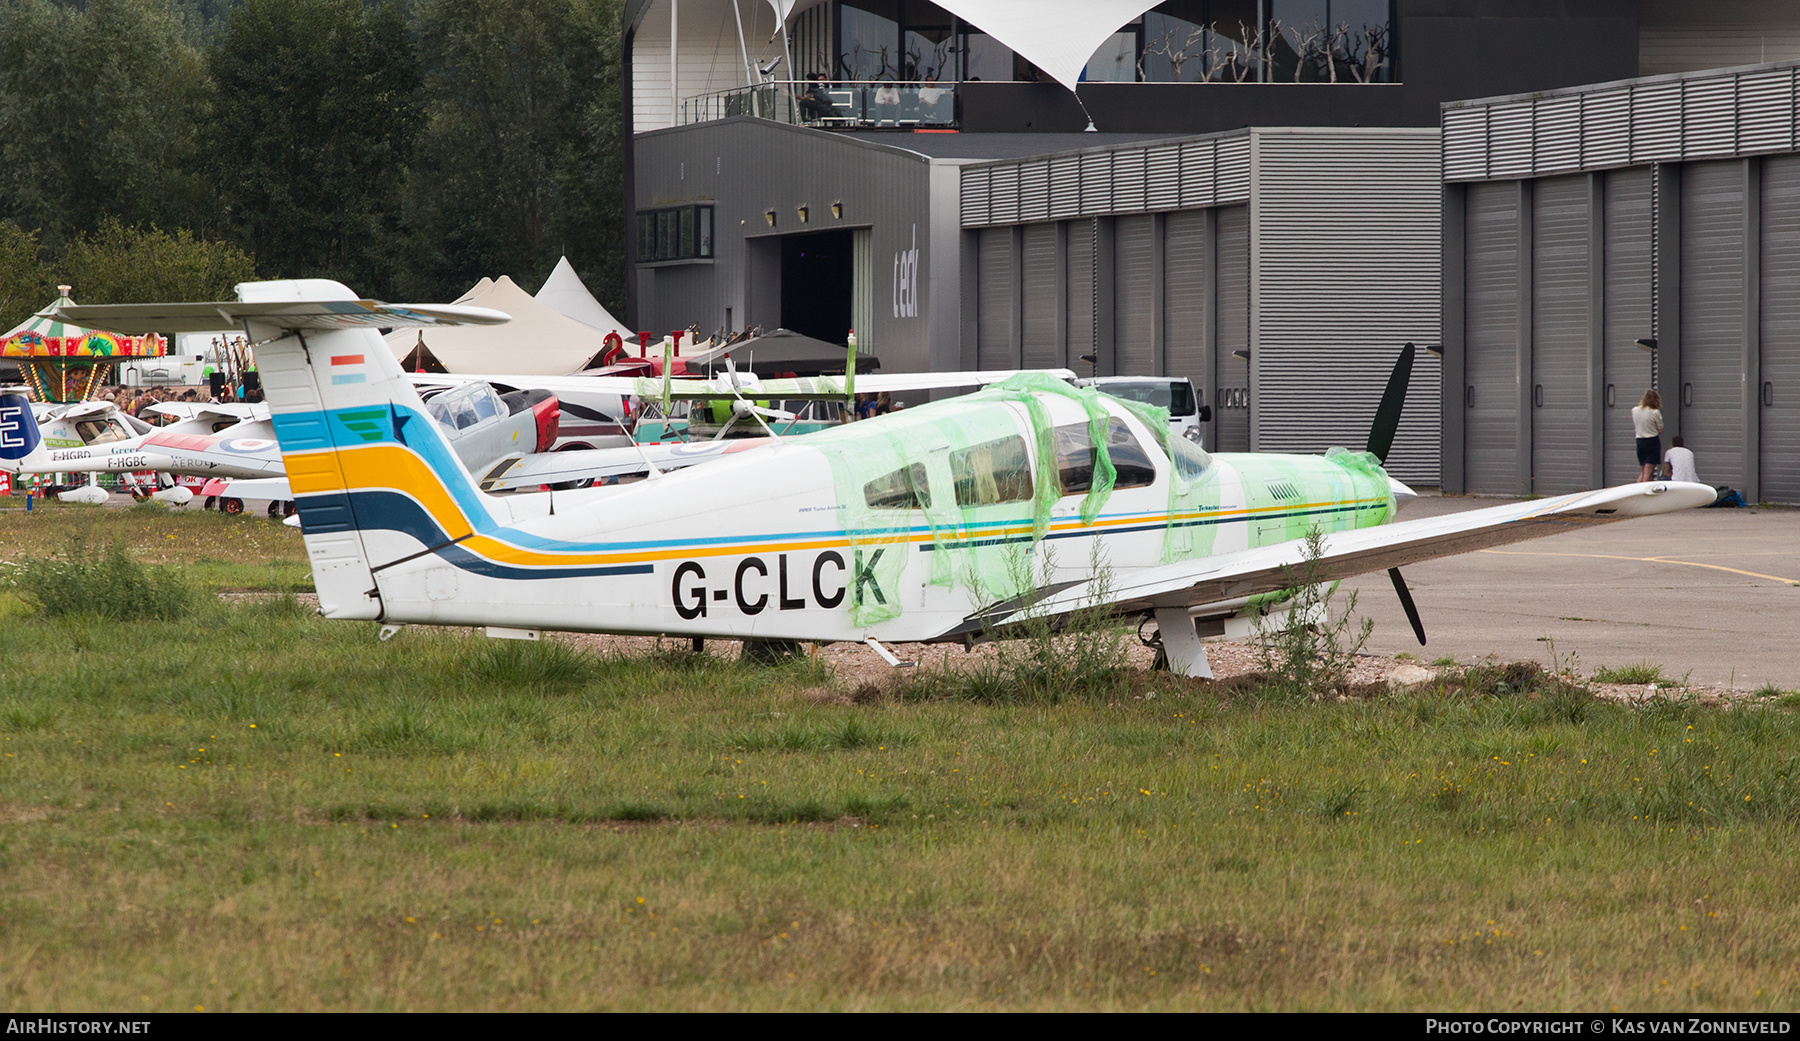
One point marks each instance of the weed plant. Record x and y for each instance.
(113, 586)
(1308, 654)
(1039, 658)
(1640, 673)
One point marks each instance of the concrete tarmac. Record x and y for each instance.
(1712, 594)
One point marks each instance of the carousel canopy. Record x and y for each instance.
(44, 335)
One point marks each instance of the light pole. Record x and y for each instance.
(1648, 343)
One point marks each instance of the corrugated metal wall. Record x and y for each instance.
(1627, 288)
(1560, 334)
(1231, 398)
(1693, 116)
(1712, 317)
(1206, 171)
(1040, 267)
(1346, 247)
(1718, 224)
(1134, 295)
(1187, 295)
(994, 301)
(1779, 396)
(1491, 339)
(1079, 272)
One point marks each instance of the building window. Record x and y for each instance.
(675, 233)
(1265, 41)
(1178, 41)
(1330, 41)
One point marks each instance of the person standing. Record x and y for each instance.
(1647, 423)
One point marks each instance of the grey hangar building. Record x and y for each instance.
(1265, 217)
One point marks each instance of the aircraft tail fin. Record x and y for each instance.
(19, 434)
(374, 479)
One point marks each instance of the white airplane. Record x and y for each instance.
(949, 521)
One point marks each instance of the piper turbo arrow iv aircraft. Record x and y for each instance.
(949, 521)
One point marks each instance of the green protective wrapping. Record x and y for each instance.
(1189, 532)
(986, 549)
(1368, 465)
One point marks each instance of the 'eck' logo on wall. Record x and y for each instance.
(906, 279)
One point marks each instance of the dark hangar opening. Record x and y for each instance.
(815, 284)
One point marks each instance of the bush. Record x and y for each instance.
(1308, 655)
(1049, 659)
(114, 587)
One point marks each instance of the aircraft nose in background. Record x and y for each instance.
(1402, 494)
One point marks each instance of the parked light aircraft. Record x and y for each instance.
(950, 521)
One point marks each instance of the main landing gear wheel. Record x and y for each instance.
(288, 509)
(232, 506)
(211, 501)
(274, 509)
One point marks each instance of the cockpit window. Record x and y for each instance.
(1189, 458)
(992, 472)
(99, 431)
(904, 489)
(465, 406)
(1075, 457)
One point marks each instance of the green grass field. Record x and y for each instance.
(252, 808)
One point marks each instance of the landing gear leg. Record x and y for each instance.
(1181, 646)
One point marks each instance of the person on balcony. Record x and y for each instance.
(815, 103)
(934, 102)
(887, 104)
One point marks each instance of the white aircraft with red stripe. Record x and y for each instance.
(954, 520)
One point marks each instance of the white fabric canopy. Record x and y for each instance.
(539, 341)
(565, 292)
(1058, 36)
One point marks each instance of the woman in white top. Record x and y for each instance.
(1647, 423)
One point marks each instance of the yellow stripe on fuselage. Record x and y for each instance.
(393, 467)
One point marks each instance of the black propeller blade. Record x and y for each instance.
(1406, 601)
(1393, 399)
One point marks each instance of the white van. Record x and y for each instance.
(1176, 395)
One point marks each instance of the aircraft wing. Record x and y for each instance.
(1231, 576)
(689, 388)
(307, 314)
(223, 410)
(530, 471)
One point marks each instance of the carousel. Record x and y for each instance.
(63, 362)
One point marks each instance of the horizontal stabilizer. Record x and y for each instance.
(529, 471)
(305, 314)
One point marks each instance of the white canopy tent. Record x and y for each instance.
(568, 295)
(539, 341)
(1058, 36)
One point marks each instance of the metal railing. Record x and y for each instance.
(841, 104)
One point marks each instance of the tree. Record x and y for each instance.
(98, 114)
(313, 126)
(119, 264)
(517, 158)
(24, 284)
